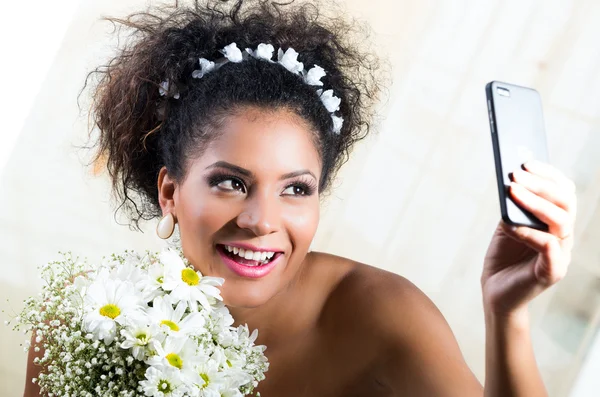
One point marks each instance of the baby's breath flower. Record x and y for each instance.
(163, 345)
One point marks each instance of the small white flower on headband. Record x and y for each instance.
(287, 59)
(263, 51)
(313, 77)
(337, 123)
(163, 89)
(331, 102)
(205, 67)
(232, 53)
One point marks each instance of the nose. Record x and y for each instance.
(261, 215)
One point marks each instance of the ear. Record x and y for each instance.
(166, 192)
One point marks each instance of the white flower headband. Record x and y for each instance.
(287, 59)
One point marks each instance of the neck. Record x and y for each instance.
(284, 315)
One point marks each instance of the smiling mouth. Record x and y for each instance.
(248, 257)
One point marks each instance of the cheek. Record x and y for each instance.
(302, 223)
(201, 215)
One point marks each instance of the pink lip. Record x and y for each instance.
(245, 270)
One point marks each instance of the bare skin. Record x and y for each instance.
(346, 345)
(334, 327)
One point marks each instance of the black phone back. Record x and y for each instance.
(518, 135)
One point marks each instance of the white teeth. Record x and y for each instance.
(259, 256)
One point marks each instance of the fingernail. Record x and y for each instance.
(518, 174)
(532, 164)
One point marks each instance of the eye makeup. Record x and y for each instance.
(306, 184)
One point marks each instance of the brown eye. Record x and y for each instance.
(295, 190)
(232, 184)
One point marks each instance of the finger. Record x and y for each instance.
(558, 220)
(553, 262)
(552, 265)
(533, 238)
(547, 171)
(547, 189)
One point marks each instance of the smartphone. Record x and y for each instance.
(518, 135)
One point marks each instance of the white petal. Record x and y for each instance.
(206, 65)
(232, 52)
(337, 123)
(313, 77)
(289, 61)
(331, 102)
(163, 88)
(171, 260)
(264, 51)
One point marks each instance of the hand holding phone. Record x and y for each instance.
(518, 136)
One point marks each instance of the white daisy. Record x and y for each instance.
(141, 338)
(178, 353)
(163, 382)
(175, 322)
(150, 286)
(230, 391)
(210, 381)
(186, 284)
(106, 303)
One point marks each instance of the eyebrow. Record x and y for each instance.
(247, 173)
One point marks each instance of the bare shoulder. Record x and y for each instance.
(415, 351)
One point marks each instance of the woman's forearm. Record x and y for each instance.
(510, 366)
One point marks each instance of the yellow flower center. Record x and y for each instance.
(190, 277)
(170, 324)
(164, 386)
(175, 360)
(160, 280)
(229, 363)
(205, 378)
(110, 311)
(142, 338)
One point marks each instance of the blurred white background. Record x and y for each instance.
(419, 198)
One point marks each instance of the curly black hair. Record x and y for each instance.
(141, 131)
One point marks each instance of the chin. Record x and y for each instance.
(246, 297)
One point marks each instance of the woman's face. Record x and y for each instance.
(248, 207)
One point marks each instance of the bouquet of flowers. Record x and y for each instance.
(138, 325)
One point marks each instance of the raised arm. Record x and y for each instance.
(510, 366)
(519, 265)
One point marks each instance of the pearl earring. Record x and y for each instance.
(166, 226)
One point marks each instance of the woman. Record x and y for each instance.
(237, 146)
